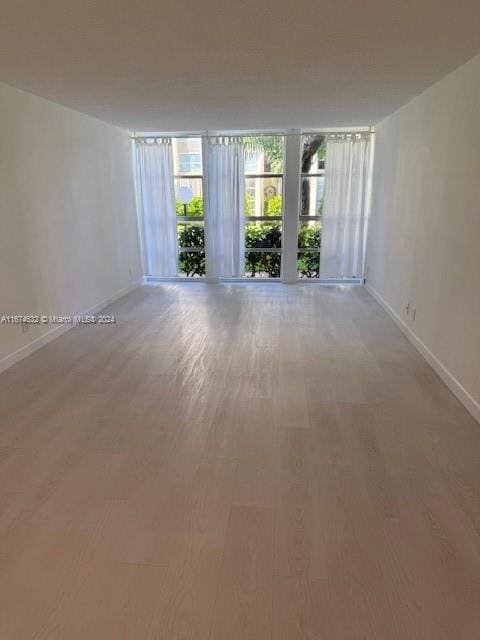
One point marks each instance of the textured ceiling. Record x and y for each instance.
(168, 66)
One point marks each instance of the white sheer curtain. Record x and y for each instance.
(156, 207)
(224, 185)
(345, 208)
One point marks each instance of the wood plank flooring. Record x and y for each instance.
(242, 462)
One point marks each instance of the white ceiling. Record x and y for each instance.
(161, 65)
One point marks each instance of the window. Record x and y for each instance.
(188, 172)
(263, 205)
(292, 243)
(311, 206)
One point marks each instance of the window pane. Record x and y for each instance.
(187, 155)
(263, 196)
(191, 264)
(263, 235)
(312, 195)
(310, 235)
(190, 162)
(308, 264)
(263, 154)
(309, 239)
(191, 234)
(195, 207)
(313, 153)
(263, 264)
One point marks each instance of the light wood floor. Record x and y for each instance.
(237, 462)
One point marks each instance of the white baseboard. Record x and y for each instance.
(56, 332)
(448, 378)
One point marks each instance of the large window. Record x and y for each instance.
(188, 170)
(311, 206)
(263, 205)
(280, 230)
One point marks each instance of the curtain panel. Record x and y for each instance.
(345, 209)
(156, 207)
(224, 190)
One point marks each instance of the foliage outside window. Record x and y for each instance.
(263, 235)
(194, 208)
(191, 263)
(308, 262)
(258, 235)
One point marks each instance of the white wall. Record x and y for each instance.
(424, 235)
(68, 236)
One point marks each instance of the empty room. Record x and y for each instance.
(240, 320)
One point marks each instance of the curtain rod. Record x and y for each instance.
(199, 134)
